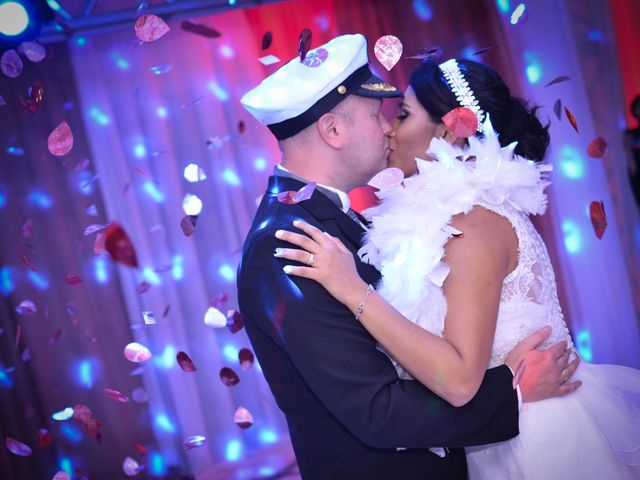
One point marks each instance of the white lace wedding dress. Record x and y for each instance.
(593, 433)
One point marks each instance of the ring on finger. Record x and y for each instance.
(311, 259)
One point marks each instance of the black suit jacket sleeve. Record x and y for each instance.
(354, 380)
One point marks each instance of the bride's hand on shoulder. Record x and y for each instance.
(324, 258)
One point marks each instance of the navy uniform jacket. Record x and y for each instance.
(346, 409)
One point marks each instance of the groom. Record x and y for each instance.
(349, 416)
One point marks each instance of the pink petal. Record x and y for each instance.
(55, 336)
(388, 50)
(26, 308)
(60, 140)
(137, 353)
(243, 418)
(27, 229)
(61, 475)
(194, 441)
(130, 467)
(143, 287)
(387, 178)
(18, 448)
(116, 395)
(91, 229)
(150, 28)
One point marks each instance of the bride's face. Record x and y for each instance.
(413, 130)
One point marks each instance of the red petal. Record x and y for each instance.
(188, 224)
(27, 229)
(27, 261)
(572, 119)
(597, 148)
(485, 50)
(60, 140)
(116, 395)
(304, 44)
(234, 321)
(55, 337)
(229, 377)
(119, 246)
(267, 39)
(556, 80)
(219, 300)
(598, 218)
(246, 358)
(150, 28)
(143, 287)
(241, 127)
(202, 30)
(73, 280)
(43, 438)
(461, 121)
(185, 362)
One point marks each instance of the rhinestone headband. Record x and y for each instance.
(460, 88)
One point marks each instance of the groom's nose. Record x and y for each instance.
(386, 126)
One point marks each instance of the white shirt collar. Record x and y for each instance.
(344, 197)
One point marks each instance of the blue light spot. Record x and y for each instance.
(264, 224)
(99, 116)
(268, 436)
(422, 10)
(596, 36)
(233, 450)
(571, 163)
(226, 272)
(5, 379)
(150, 276)
(218, 91)
(156, 465)
(230, 352)
(163, 422)
(468, 53)
(15, 151)
(121, 63)
(572, 236)
(63, 415)
(177, 269)
(71, 432)
(153, 191)
(65, 465)
(38, 280)
(168, 357)
(517, 14)
(533, 68)
(260, 164)
(40, 199)
(84, 182)
(162, 112)
(85, 373)
(232, 2)
(101, 270)
(503, 5)
(3, 199)
(583, 344)
(139, 150)
(81, 41)
(231, 177)
(6, 281)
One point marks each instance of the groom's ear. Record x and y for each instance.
(330, 127)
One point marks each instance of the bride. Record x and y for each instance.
(465, 275)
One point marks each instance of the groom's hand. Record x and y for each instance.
(547, 372)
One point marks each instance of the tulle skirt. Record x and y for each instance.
(593, 433)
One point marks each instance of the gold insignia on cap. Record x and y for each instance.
(379, 87)
(342, 89)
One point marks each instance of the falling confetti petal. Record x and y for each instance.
(27, 308)
(143, 287)
(246, 359)
(292, 197)
(36, 95)
(556, 80)
(149, 317)
(316, 58)
(215, 318)
(243, 418)
(229, 377)
(17, 151)
(166, 311)
(91, 229)
(3, 102)
(99, 245)
(188, 224)
(161, 69)
(141, 448)
(598, 218)
(61, 475)
(119, 245)
(387, 178)
(267, 39)
(219, 300)
(269, 60)
(304, 43)
(18, 448)
(130, 467)
(11, 64)
(597, 148)
(194, 173)
(55, 336)
(191, 205)
(192, 103)
(18, 334)
(150, 28)
(27, 261)
(27, 229)
(557, 109)
(116, 395)
(202, 30)
(73, 280)
(43, 438)
(234, 321)
(140, 395)
(241, 127)
(194, 441)
(432, 52)
(26, 355)
(136, 352)
(185, 362)
(60, 140)
(388, 50)
(33, 51)
(520, 15)
(571, 119)
(65, 414)
(461, 121)
(91, 210)
(485, 50)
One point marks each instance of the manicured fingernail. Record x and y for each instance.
(277, 252)
(279, 233)
(287, 269)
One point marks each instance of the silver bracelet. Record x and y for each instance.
(360, 311)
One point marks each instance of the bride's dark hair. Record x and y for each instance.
(511, 117)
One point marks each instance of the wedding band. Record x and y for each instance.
(311, 259)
